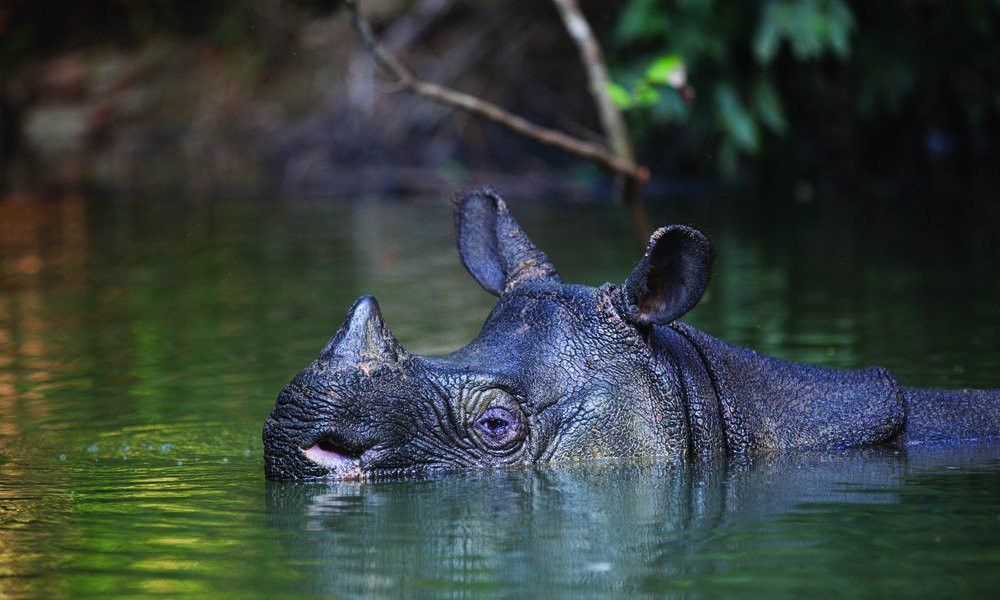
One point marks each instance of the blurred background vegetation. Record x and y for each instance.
(810, 97)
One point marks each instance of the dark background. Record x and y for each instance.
(797, 99)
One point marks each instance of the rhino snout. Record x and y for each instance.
(292, 453)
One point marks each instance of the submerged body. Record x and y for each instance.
(575, 372)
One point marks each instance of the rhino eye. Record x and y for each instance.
(494, 421)
(498, 428)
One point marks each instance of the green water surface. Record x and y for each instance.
(143, 340)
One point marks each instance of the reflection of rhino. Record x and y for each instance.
(599, 527)
(574, 372)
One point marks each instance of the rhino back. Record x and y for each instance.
(765, 402)
(937, 415)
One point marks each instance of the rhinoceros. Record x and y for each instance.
(572, 372)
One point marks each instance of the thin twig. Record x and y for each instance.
(407, 80)
(611, 117)
(597, 76)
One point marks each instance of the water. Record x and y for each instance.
(142, 342)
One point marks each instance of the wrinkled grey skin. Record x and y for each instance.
(574, 372)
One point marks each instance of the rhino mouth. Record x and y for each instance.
(340, 461)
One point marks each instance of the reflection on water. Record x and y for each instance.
(142, 343)
(629, 528)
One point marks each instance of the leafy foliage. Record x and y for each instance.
(695, 70)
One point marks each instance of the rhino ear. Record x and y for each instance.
(671, 277)
(493, 246)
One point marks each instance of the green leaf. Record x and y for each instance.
(841, 25)
(811, 28)
(768, 36)
(619, 96)
(767, 105)
(671, 108)
(736, 121)
(645, 95)
(667, 70)
(641, 19)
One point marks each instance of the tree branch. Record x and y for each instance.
(405, 78)
(593, 60)
(611, 117)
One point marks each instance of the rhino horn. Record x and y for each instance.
(363, 338)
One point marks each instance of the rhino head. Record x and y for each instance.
(558, 371)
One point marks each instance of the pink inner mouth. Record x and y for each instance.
(329, 458)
